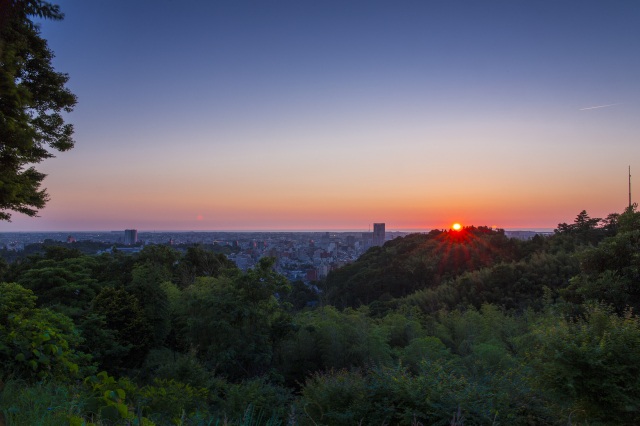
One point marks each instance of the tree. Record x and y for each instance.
(592, 363)
(630, 219)
(584, 229)
(416, 262)
(65, 286)
(35, 343)
(33, 97)
(234, 323)
(160, 256)
(121, 312)
(146, 286)
(609, 273)
(198, 262)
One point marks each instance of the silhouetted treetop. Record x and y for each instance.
(33, 97)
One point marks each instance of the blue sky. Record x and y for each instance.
(337, 114)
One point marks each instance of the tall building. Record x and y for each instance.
(378, 234)
(130, 236)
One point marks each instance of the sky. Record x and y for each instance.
(333, 115)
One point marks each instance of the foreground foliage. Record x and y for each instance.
(524, 332)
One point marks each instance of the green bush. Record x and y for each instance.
(36, 344)
(258, 397)
(107, 402)
(169, 401)
(592, 362)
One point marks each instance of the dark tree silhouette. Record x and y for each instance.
(32, 98)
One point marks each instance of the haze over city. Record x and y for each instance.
(332, 115)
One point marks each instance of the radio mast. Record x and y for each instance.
(629, 187)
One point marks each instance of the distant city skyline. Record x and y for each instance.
(333, 115)
(243, 231)
(306, 256)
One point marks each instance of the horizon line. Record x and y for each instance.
(425, 230)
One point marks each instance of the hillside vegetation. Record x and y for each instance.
(446, 328)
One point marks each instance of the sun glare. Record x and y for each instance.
(456, 227)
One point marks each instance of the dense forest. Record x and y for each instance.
(445, 328)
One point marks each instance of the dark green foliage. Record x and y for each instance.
(125, 318)
(610, 273)
(60, 253)
(165, 401)
(488, 331)
(433, 396)
(115, 269)
(160, 256)
(265, 400)
(167, 364)
(584, 229)
(64, 285)
(516, 285)
(146, 286)
(423, 349)
(402, 327)
(629, 220)
(35, 343)
(592, 363)
(3, 268)
(416, 262)
(198, 262)
(33, 97)
(485, 341)
(329, 339)
(102, 342)
(42, 403)
(107, 401)
(301, 296)
(337, 398)
(233, 324)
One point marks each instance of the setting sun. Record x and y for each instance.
(456, 227)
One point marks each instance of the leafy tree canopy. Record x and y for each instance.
(418, 261)
(35, 343)
(33, 97)
(585, 229)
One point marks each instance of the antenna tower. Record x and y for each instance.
(629, 187)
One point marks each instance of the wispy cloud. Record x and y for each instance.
(598, 106)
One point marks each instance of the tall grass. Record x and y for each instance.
(51, 404)
(38, 404)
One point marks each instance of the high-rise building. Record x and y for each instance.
(378, 234)
(130, 236)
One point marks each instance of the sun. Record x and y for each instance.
(456, 226)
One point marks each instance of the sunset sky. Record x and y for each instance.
(316, 114)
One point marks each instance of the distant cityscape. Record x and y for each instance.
(305, 256)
